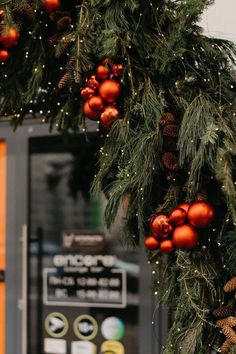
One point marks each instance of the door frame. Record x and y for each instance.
(17, 217)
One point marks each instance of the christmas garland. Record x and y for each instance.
(164, 95)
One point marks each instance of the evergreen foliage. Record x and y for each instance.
(170, 66)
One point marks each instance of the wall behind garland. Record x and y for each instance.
(219, 20)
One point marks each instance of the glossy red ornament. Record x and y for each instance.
(2, 15)
(102, 72)
(87, 93)
(151, 242)
(160, 225)
(51, 5)
(96, 103)
(117, 69)
(185, 236)
(4, 55)
(201, 214)
(184, 206)
(10, 38)
(109, 116)
(110, 90)
(167, 246)
(178, 216)
(92, 82)
(90, 113)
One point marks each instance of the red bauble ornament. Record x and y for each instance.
(201, 214)
(185, 236)
(110, 90)
(167, 246)
(117, 69)
(102, 72)
(96, 103)
(184, 206)
(4, 55)
(87, 93)
(10, 38)
(51, 5)
(160, 225)
(89, 112)
(2, 15)
(109, 116)
(92, 82)
(151, 242)
(178, 216)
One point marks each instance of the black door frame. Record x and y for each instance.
(17, 217)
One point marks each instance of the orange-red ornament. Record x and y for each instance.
(184, 206)
(160, 225)
(178, 216)
(185, 236)
(117, 69)
(110, 90)
(51, 5)
(10, 38)
(167, 246)
(96, 103)
(2, 15)
(92, 82)
(109, 116)
(102, 72)
(90, 113)
(151, 242)
(4, 55)
(201, 214)
(87, 93)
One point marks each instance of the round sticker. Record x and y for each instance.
(113, 328)
(56, 325)
(85, 327)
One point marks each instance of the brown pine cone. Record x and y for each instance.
(202, 195)
(167, 118)
(64, 23)
(170, 161)
(229, 333)
(171, 130)
(54, 39)
(230, 285)
(229, 321)
(223, 312)
(226, 346)
(65, 81)
(25, 10)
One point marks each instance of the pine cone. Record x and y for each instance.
(229, 333)
(223, 312)
(54, 39)
(229, 321)
(202, 195)
(62, 47)
(65, 81)
(64, 23)
(170, 161)
(57, 15)
(230, 285)
(167, 118)
(226, 346)
(24, 9)
(171, 130)
(70, 66)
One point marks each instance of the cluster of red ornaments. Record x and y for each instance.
(101, 92)
(180, 228)
(9, 38)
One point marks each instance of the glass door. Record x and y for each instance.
(83, 285)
